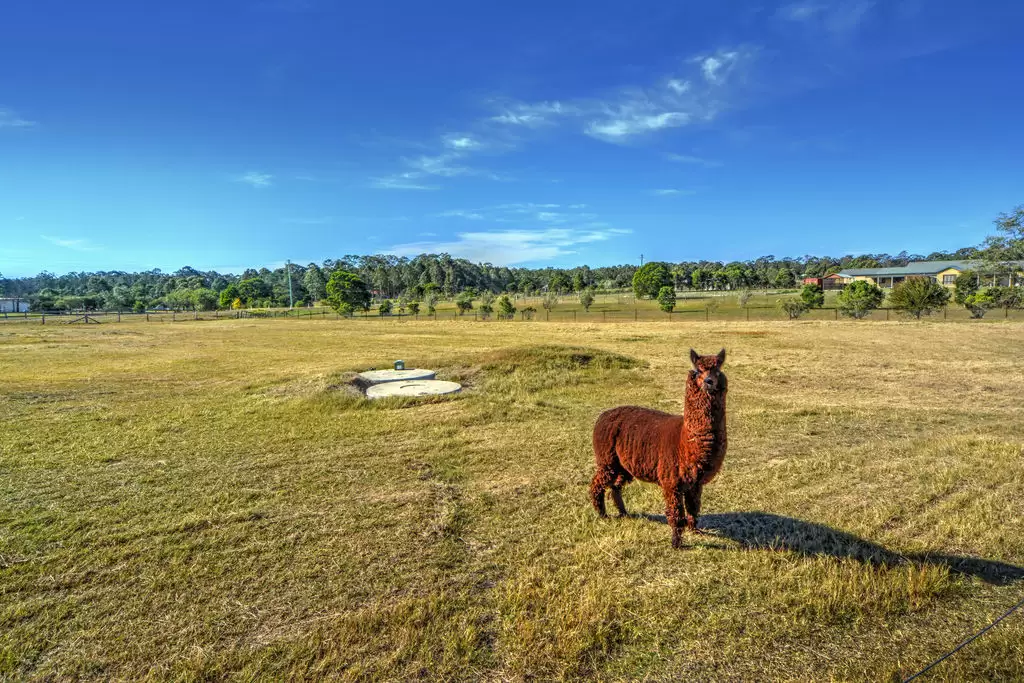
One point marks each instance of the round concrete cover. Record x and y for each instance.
(381, 376)
(425, 387)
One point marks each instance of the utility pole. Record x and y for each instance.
(288, 267)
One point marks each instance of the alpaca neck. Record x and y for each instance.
(700, 412)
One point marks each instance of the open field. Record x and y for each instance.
(621, 307)
(209, 500)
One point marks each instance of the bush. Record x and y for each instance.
(385, 307)
(550, 301)
(744, 297)
(485, 311)
(667, 299)
(529, 312)
(859, 298)
(980, 301)
(430, 299)
(506, 309)
(465, 302)
(138, 307)
(813, 295)
(587, 299)
(918, 296)
(650, 278)
(414, 308)
(794, 308)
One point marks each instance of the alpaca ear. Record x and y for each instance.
(694, 357)
(721, 356)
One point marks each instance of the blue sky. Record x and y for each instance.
(237, 133)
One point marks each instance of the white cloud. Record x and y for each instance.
(459, 213)
(716, 67)
(672, 192)
(73, 244)
(703, 87)
(628, 123)
(507, 247)
(678, 87)
(840, 19)
(688, 159)
(401, 181)
(534, 114)
(520, 212)
(439, 165)
(10, 119)
(256, 179)
(462, 142)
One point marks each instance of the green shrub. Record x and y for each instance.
(859, 298)
(918, 296)
(813, 295)
(667, 299)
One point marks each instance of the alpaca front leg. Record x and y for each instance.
(692, 500)
(675, 512)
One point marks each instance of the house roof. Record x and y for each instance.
(914, 268)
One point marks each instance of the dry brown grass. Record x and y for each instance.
(207, 500)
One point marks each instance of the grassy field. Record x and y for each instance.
(211, 500)
(620, 307)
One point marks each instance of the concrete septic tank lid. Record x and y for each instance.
(419, 387)
(381, 376)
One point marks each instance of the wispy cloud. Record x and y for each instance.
(459, 213)
(508, 247)
(440, 165)
(73, 244)
(717, 67)
(401, 181)
(526, 212)
(462, 142)
(840, 19)
(10, 119)
(533, 115)
(256, 179)
(702, 88)
(800, 11)
(672, 192)
(697, 161)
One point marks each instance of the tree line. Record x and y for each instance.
(434, 276)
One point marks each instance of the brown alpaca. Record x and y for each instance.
(682, 453)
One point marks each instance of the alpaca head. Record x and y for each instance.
(707, 371)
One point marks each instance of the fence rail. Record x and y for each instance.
(626, 314)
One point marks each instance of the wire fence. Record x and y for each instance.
(605, 315)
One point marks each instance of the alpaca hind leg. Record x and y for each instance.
(617, 499)
(621, 480)
(692, 501)
(603, 478)
(675, 512)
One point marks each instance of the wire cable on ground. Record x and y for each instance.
(966, 642)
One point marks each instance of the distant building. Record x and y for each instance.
(834, 281)
(943, 272)
(13, 306)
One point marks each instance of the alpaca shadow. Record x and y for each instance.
(765, 531)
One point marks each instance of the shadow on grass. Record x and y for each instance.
(765, 531)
